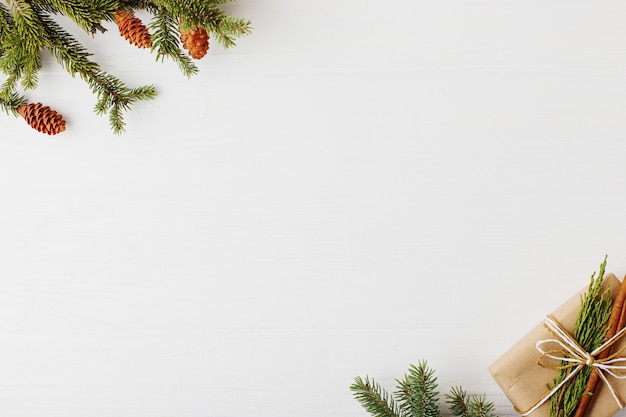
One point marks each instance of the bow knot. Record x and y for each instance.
(572, 356)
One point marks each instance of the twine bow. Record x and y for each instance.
(572, 356)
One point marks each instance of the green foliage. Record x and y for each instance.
(86, 14)
(10, 104)
(165, 41)
(417, 392)
(463, 405)
(374, 398)
(589, 331)
(417, 396)
(28, 29)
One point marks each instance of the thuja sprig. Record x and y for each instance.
(589, 331)
(417, 396)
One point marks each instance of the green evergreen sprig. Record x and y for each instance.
(11, 103)
(165, 41)
(375, 399)
(417, 396)
(464, 405)
(28, 29)
(590, 332)
(418, 393)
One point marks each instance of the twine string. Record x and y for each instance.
(573, 357)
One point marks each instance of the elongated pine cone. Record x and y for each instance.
(133, 29)
(42, 118)
(196, 42)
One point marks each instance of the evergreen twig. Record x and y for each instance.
(457, 401)
(417, 392)
(463, 405)
(589, 331)
(374, 398)
(165, 41)
(417, 397)
(10, 104)
(27, 28)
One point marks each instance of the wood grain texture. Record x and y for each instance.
(355, 187)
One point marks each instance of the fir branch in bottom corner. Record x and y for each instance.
(417, 392)
(417, 397)
(463, 405)
(374, 398)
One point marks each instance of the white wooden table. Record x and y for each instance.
(355, 187)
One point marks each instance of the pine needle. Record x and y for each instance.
(417, 392)
(374, 398)
(463, 405)
(28, 28)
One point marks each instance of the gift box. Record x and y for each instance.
(524, 381)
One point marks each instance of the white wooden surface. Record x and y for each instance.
(357, 186)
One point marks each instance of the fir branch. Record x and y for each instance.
(165, 41)
(9, 85)
(193, 13)
(374, 398)
(457, 401)
(22, 46)
(22, 64)
(209, 16)
(130, 5)
(417, 397)
(6, 24)
(27, 29)
(589, 331)
(86, 15)
(479, 407)
(68, 52)
(227, 28)
(114, 98)
(463, 405)
(417, 392)
(10, 104)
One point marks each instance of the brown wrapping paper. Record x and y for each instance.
(524, 381)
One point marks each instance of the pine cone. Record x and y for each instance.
(196, 42)
(42, 118)
(132, 29)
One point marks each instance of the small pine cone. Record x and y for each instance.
(196, 42)
(42, 118)
(132, 29)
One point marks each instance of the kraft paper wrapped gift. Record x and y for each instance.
(524, 382)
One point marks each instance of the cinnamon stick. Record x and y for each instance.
(617, 320)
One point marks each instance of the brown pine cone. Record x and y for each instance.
(42, 118)
(196, 42)
(133, 29)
